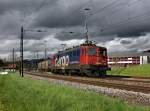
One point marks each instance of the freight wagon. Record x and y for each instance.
(44, 65)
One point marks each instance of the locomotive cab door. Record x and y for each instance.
(103, 56)
(83, 56)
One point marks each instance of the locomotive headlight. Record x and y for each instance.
(98, 63)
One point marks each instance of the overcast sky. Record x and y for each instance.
(119, 25)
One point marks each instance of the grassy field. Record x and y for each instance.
(22, 94)
(143, 70)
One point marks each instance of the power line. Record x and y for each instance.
(115, 11)
(81, 6)
(38, 8)
(78, 9)
(127, 20)
(13, 55)
(102, 9)
(132, 3)
(42, 4)
(120, 25)
(98, 11)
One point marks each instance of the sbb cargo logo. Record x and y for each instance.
(62, 61)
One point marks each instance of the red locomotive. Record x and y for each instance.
(86, 59)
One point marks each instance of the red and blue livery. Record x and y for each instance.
(86, 59)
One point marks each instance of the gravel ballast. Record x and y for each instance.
(131, 97)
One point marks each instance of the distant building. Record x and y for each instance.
(128, 58)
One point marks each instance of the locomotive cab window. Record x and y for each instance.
(103, 52)
(92, 51)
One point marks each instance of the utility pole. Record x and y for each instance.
(21, 51)
(45, 54)
(34, 56)
(45, 45)
(21, 47)
(37, 57)
(13, 54)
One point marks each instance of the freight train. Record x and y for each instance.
(86, 59)
(44, 65)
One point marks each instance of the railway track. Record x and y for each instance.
(130, 78)
(129, 85)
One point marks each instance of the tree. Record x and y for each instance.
(1, 63)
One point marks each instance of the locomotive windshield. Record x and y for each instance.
(92, 51)
(103, 53)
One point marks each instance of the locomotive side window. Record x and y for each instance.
(78, 52)
(92, 51)
(74, 53)
(70, 54)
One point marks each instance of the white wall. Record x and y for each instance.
(143, 60)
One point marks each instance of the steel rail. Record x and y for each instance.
(116, 85)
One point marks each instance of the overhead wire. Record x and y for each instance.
(112, 27)
(98, 11)
(36, 9)
(78, 9)
(81, 6)
(115, 2)
(105, 7)
(114, 11)
(42, 4)
(128, 19)
(132, 3)
(88, 2)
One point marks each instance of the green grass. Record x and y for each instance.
(23, 94)
(143, 70)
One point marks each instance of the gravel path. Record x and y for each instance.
(129, 96)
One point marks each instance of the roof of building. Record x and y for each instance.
(128, 54)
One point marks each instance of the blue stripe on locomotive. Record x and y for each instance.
(74, 55)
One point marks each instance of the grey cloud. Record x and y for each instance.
(25, 6)
(128, 44)
(125, 42)
(79, 33)
(9, 25)
(59, 17)
(140, 43)
(124, 19)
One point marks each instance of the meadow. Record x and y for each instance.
(24, 94)
(139, 70)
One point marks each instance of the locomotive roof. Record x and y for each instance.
(69, 49)
(77, 47)
(92, 44)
